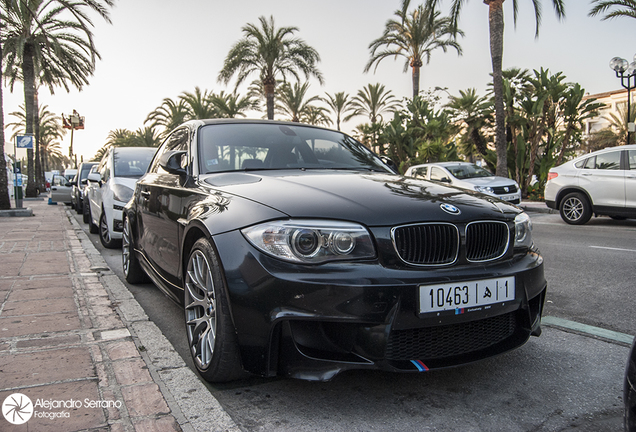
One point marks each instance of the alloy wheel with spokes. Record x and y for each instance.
(575, 209)
(133, 272)
(200, 309)
(209, 328)
(104, 233)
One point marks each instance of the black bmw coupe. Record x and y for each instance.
(296, 251)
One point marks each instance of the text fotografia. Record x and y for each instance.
(75, 404)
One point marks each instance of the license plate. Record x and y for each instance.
(461, 295)
(509, 198)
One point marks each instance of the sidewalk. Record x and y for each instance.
(77, 344)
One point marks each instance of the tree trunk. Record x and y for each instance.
(29, 95)
(496, 22)
(39, 172)
(5, 202)
(416, 65)
(269, 85)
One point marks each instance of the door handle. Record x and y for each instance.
(145, 194)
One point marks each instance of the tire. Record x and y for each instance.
(104, 233)
(575, 209)
(133, 272)
(92, 228)
(85, 215)
(78, 207)
(210, 332)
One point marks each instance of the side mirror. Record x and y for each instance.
(389, 162)
(445, 180)
(84, 181)
(94, 177)
(174, 161)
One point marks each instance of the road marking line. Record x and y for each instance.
(584, 328)
(616, 249)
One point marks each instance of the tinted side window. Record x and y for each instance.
(631, 158)
(437, 174)
(590, 163)
(609, 161)
(104, 167)
(178, 140)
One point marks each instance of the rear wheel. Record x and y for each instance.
(85, 214)
(92, 228)
(133, 272)
(211, 335)
(575, 209)
(104, 233)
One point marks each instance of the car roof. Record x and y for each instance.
(444, 164)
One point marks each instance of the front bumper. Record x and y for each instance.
(313, 322)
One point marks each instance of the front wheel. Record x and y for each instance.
(211, 335)
(133, 272)
(104, 233)
(575, 209)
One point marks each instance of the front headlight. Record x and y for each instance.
(484, 189)
(311, 241)
(523, 230)
(122, 193)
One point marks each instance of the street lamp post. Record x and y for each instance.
(72, 122)
(627, 73)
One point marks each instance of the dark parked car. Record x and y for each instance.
(79, 182)
(296, 251)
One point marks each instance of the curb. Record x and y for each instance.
(20, 212)
(191, 403)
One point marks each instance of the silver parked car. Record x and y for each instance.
(469, 176)
(598, 183)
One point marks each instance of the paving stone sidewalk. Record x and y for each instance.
(77, 344)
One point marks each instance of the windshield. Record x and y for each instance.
(244, 147)
(132, 162)
(465, 171)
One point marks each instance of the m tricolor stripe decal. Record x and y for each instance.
(420, 365)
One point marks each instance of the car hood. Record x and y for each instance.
(371, 199)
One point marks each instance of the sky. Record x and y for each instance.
(156, 49)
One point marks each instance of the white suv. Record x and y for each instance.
(599, 183)
(110, 187)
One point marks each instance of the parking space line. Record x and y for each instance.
(614, 249)
(588, 329)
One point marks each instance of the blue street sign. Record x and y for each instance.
(25, 141)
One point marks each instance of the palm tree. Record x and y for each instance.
(231, 105)
(342, 106)
(51, 131)
(270, 53)
(315, 115)
(624, 8)
(50, 41)
(496, 22)
(292, 100)
(474, 112)
(168, 115)
(373, 101)
(414, 36)
(198, 104)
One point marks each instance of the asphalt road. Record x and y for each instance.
(561, 381)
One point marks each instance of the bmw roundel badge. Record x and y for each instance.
(450, 209)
